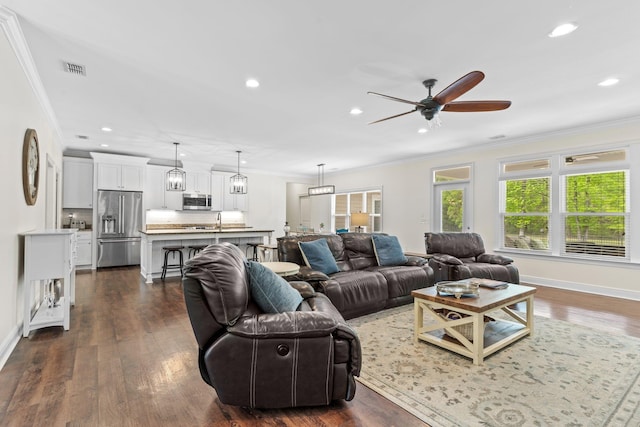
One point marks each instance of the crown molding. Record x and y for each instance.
(11, 27)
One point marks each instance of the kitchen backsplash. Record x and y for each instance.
(180, 218)
(78, 215)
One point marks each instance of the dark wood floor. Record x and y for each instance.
(129, 359)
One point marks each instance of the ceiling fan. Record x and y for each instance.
(432, 105)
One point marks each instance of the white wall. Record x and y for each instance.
(20, 109)
(406, 205)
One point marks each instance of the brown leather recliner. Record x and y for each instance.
(457, 256)
(303, 358)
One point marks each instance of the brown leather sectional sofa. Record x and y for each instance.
(361, 286)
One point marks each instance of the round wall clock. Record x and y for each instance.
(30, 166)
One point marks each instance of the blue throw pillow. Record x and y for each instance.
(271, 292)
(318, 256)
(388, 250)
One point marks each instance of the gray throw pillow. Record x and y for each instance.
(271, 292)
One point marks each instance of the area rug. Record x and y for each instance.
(564, 375)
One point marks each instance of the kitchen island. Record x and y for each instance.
(152, 255)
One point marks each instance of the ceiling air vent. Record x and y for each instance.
(82, 137)
(77, 69)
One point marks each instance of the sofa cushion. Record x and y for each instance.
(318, 256)
(388, 250)
(356, 292)
(271, 292)
(401, 280)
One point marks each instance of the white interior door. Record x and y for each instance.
(51, 195)
(305, 212)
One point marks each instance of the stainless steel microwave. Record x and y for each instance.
(196, 202)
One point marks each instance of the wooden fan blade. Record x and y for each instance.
(393, 98)
(459, 87)
(393, 117)
(471, 106)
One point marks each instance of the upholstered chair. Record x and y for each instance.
(457, 256)
(264, 342)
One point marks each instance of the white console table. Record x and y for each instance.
(48, 255)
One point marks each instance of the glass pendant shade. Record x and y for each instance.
(176, 177)
(238, 182)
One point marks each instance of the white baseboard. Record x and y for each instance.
(9, 344)
(583, 287)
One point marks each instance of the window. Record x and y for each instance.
(595, 217)
(526, 213)
(451, 205)
(588, 217)
(368, 201)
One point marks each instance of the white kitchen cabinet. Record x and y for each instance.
(198, 182)
(77, 183)
(113, 176)
(156, 195)
(217, 187)
(222, 199)
(84, 249)
(117, 172)
(49, 255)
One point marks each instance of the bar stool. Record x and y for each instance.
(194, 249)
(173, 250)
(254, 257)
(269, 252)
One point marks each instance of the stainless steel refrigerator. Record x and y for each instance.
(119, 222)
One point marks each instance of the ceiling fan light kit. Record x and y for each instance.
(431, 106)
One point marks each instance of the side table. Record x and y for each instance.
(282, 268)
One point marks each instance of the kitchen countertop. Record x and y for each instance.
(203, 231)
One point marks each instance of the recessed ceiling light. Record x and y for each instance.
(104, 145)
(563, 29)
(355, 111)
(609, 82)
(252, 83)
(422, 130)
(182, 154)
(106, 129)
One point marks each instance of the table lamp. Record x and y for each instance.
(359, 220)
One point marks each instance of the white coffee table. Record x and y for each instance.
(427, 302)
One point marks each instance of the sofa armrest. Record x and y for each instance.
(294, 324)
(304, 288)
(307, 274)
(416, 261)
(446, 259)
(345, 332)
(494, 259)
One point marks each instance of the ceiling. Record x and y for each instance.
(159, 72)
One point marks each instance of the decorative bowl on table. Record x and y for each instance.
(457, 289)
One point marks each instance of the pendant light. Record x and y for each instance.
(238, 181)
(176, 177)
(321, 188)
